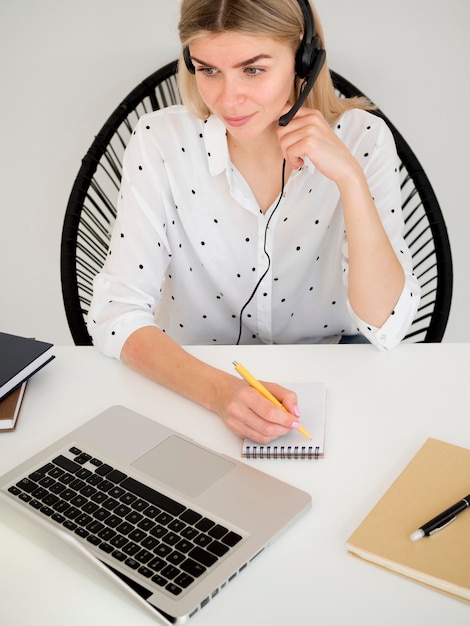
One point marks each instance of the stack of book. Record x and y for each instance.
(20, 358)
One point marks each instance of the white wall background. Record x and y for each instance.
(65, 65)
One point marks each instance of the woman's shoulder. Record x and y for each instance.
(173, 119)
(355, 124)
(360, 120)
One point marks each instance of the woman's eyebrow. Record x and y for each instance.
(254, 59)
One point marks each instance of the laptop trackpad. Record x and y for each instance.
(183, 465)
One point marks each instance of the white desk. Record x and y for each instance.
(380, 409)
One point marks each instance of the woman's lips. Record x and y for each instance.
(237, 121)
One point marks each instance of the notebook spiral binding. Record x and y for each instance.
(282, 452)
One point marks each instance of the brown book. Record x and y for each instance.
(436, 478)
(10, 408)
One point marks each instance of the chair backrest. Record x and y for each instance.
(91, 212)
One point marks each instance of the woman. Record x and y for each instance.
(234, 229)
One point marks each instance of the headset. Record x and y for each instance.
(309, 60)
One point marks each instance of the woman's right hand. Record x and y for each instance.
(249, 414)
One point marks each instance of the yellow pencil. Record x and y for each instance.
(253, 382)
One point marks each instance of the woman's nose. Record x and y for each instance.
(231, 92)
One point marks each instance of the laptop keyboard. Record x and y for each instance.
(142, 529)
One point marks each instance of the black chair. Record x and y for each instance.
(90, 212)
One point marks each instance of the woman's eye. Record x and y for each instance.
(207, 71)
(253, 71)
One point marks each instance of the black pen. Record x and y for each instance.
(441, 520)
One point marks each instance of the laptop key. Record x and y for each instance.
(95, 541)
(218, 531)
(158, 531)
(131, 548)
(47, 511)
(82, 458)
(66, 464)
(115, 476)
(137, 535)
(164, 518)
(27, 485)
(171, 538)
(106, 534)
(145, 571)
(119, 541)
(134, 517)
(183, 580)
(170, 572)
(149, 542)
(113, 521)
(106, 548)
(156, 564)
(103, 469)
(144, 556)
(83, 520)
(217, 548)
(175, 558)
(202, 540)
(159, 580)
(192, 568)
(231, 539)
(174, 589)
(189, 532)
(202, 556)
(146, 524)
(205, 524)
(191, 517)
(184, 546)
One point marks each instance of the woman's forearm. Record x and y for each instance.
(155, 355)
(376, 277)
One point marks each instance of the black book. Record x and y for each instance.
(20, 358)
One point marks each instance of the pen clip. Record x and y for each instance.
(435, 530)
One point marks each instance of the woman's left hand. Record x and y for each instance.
(309, 135)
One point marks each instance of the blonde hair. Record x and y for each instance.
(280, 19)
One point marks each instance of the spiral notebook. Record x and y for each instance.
(312, 405)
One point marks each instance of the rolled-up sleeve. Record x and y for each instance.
(127, 290)
(381, 165)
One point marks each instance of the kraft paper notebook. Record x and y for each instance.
(312, 405)
(437, 477)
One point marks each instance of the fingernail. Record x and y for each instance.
(296, 411)
(295, 425)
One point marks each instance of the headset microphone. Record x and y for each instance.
(309, 60)
(305, 89)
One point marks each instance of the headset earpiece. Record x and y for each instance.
(305, 57)
(187, 60)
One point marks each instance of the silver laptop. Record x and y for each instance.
(172, 519)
